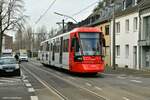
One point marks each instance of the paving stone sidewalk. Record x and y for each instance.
(139, 73)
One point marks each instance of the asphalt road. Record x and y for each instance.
(46, 83)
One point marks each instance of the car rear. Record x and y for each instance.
(23, 57)
(9, 65)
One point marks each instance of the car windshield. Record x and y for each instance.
(7, 61)
(90, 43)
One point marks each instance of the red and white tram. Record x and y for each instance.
(77, 51)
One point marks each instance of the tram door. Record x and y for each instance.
(53, 52)
(61, 50)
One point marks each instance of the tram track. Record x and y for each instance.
(96, 88)
(100, 97)
(48, 86)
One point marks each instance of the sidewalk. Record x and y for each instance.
(127, 71)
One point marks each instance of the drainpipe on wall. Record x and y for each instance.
(139, 38)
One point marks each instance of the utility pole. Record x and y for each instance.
(32, 45)
(63, 25)
(1, 33)
(114, 40)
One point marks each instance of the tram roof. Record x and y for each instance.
(86, 29)
(80, 29)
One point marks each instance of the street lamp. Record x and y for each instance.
(63, 23)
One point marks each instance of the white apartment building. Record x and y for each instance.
(126, 35)
(144, 36)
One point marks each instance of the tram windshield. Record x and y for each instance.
(90, 44)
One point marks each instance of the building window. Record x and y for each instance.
(118, 27)
(135, 23)
(127, 25)
(126, 51)
(146, 27)
(107, 30)
(118, 50)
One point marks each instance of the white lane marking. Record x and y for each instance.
(136, 81)
(69, 82)
(12, 98)
(2, 83)
(34, 98)
(26, 81)
(53, 90)
(121, 77)
(9, 81)
(28, 85)
(31, 90)
(88, 84)
(24, 77)
(125, 98)
(98, 88)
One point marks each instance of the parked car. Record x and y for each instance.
(9, 65)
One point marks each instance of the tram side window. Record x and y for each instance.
(53, 54)
(51, 47)
(65, 45)
(41, 48)
(75, 46)
(44, 47)
(77, 49)
(57, 47)
(47, 47)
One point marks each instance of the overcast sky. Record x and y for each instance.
(35, 8)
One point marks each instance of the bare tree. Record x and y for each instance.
(40, 35)
(51, 33)
(29, 38)
(11, 16)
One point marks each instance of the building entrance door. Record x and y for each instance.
(135, 57)
(147, 57)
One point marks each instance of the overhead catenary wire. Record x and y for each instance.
(45, 12)
(87, 7)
